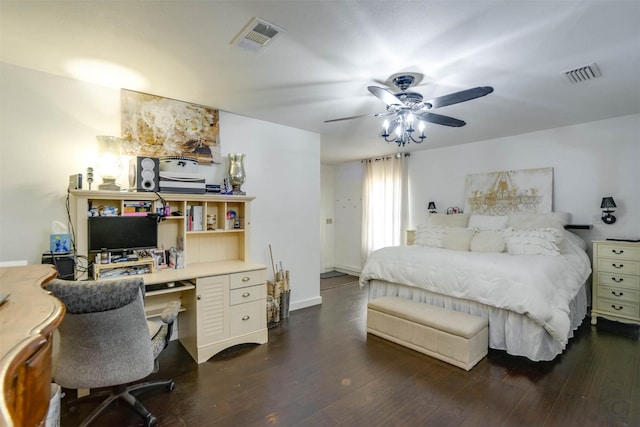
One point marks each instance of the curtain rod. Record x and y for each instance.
(375, 159)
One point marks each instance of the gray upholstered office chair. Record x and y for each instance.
(105, 341)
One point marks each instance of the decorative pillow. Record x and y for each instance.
(457, 220)
(430, 235)
(487, 241)
(538, 220)
(458, 238)
(533, 241)
(488, 222)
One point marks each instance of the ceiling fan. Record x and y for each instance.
(405, 107)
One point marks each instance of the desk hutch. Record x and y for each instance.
(223, 294)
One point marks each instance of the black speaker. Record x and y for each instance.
(144, 173)
(64, 263)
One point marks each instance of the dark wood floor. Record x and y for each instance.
(321, 369)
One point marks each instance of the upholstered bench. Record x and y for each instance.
(457, 338)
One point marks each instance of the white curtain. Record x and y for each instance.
(383, 200)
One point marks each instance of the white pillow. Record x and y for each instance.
(458, 238)
(487, 241)
(538, 220)
(456, 220)
(488, 222)
(430, 235)
(533, 241)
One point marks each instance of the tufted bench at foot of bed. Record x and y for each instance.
(457, 338)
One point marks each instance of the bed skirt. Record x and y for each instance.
(515, 333)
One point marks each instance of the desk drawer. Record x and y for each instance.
(247, 318)
(621, 266)
(248, 294)
(247, 278)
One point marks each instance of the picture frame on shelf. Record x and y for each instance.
(160, 258)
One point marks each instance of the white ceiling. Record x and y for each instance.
(320, 68)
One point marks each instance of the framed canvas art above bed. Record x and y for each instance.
(499, 193)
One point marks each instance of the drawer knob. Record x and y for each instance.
(617, 252)
(246, 294)
(246, 317)
(617, 280)
(619, 307)
(246, 278)
(199, 297)
(617, 265)
(617, 294)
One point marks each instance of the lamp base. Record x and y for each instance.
(237, 191)
(607, 218)
(109, 184)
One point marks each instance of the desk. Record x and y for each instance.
(226, 306)
(27, 322)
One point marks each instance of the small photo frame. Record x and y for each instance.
(160, 258)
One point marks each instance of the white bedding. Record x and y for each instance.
(537, 286)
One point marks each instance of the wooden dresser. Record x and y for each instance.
(616, 281)
(28, 319)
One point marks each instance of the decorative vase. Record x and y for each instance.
(236, 172)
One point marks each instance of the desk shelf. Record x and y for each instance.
(128, 268)
(156, 301)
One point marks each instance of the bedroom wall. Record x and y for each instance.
(48, 126)
(589, 161)
(327, 228)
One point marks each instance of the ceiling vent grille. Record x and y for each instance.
(588, 72)
(256, 34)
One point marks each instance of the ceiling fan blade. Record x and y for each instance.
(440, 119)
(384, 95)
(361, 115)
(350, 118)
(462, 96)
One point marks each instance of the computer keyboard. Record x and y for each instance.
(163, 286)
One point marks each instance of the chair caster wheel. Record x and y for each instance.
(171, 386)
(151, 421)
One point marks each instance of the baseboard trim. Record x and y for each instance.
(297, 305)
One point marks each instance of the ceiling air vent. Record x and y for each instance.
(256, 34)
(588, 72)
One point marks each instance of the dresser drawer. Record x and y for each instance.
(247, 278)
(618, 251)
(619, 294)
(619, 308)
(248, 294)
(621, 266)
(247, 318)
(619, 280)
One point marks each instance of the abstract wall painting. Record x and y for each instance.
(155, 126)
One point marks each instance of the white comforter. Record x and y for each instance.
(537, 286)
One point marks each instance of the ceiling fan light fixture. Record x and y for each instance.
(406, 107)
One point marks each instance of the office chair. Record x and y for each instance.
(105, 341)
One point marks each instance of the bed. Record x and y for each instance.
(527, 276)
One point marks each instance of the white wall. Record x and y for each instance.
(589, 161)
(48, 126)
(327, 228)
(348, 214)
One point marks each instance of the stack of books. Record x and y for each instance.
(136, 208)
(195, 219)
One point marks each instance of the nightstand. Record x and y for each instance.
(616, 281)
